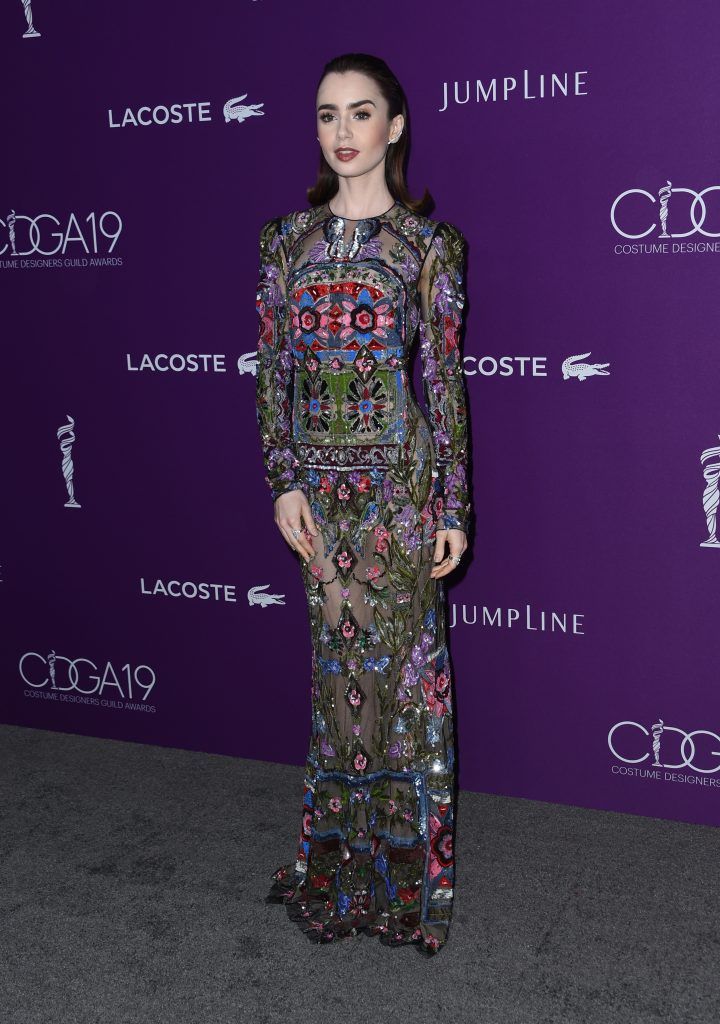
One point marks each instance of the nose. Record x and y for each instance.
(343, 131)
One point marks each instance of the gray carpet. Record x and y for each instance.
(132, 880)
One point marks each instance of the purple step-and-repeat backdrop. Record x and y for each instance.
(147, 593)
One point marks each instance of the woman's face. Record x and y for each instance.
(352, 123)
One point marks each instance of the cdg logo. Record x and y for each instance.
(630, 743)
(34, 231)
(697, 205)
(57, 672)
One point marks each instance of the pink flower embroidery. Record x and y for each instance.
(441, 847)
(382, 534)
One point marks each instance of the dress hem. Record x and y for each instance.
(289, 888)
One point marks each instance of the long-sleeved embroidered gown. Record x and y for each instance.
(340, 303)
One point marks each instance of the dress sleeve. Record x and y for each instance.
(442, 300)
(273, 393)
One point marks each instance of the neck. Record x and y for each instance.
(375, 209)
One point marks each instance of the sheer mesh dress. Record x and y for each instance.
(340, 304)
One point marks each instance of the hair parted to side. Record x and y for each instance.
(327, 184)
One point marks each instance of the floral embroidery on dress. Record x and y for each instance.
(339, 308)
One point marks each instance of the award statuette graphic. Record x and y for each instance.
(11, 231)
(664, 193)
(30, 32)
(711, 497)
(67, 463)
(657, 730)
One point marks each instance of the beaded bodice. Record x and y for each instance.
(340, 304)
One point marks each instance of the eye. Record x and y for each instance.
(325, 116)
(363, 113)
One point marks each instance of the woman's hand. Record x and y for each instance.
(457, 541)
(291, 510)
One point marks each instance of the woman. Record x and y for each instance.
(368, 493)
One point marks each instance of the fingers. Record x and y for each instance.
(298, 542)
(306, 540)
(295, 521)
(439, 552)
(297, 537)
(456, 540)
(307, 517)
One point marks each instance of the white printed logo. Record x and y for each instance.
(629, 738)
(233, 110)
(190, 112)
(710, 459)
(39, 237)
(54, 672)
(572, 368)
(247, 364)
(531, 366)
(697, 213)
(255, 596)
(66, 436)
(30, 32)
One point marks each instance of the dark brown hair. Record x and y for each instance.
(327, 184)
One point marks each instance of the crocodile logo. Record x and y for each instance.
(234, 110)
(571, 368)
(264, 600)
(247, 363)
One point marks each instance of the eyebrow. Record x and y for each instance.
(351, 106)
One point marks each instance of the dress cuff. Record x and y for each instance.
(453, 521)
(285, 488)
